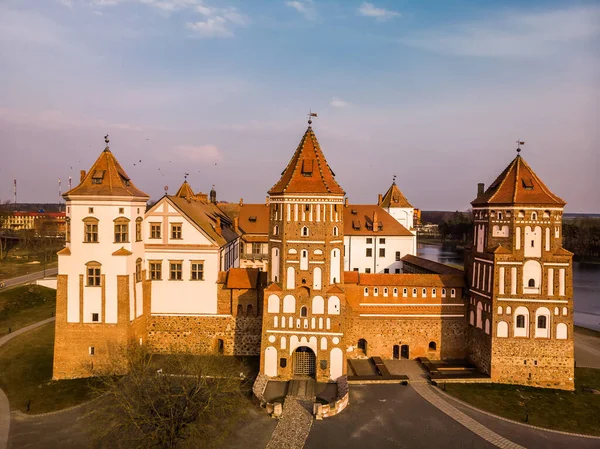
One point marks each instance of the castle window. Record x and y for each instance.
(414, 293)
(91, 230)
(138, 270)
(282, 362)
(375, 291)
(534, 215)
(385, 291)
(433, 292)
(369, 241)
(220, 346)
(424, 293)
(369, 252)
(276, 230)
(336, 231)
(90, 210)
(521, 321)
(121, 231)
(303, 311)
(249, 311)
(175, 270)
(138, 229)
(404, 292)
(91, 350)
(386, 270)
(432, 346)
(305, 231)
(452, 293)
(95, 317)
(381, 252)
(531, 283)
(397, 270)
(121, 210)
(382, 241)
(395, 292)
(443, 293)
(155, 270)
(197, 270)
(397, 256)
(155, 230)
(546, 214)
(499, 215)
(176, 231)
(367, 270)
(93, 274)
(521, 214)
(542, 322)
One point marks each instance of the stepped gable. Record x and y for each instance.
(518, 184)
(394, 198)
(358, 220)
(106, 178)
(308, 171)
(185, 191)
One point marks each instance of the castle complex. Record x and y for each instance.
(308, 280)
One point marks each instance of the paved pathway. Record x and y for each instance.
(4, 404)
(294, 425)
(29, 277)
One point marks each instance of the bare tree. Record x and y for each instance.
(170, 401)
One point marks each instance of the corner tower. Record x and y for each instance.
(520, 283)
(305, 301)
(100, 299)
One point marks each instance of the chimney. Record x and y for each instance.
(375, 222)
(81, 175)
(218, 226)
(346, 202)
(379, 199)
(236, 224)
(241, 202)
(480, 188)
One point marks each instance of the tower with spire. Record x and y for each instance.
(520, 282)
(396, 204)
(100, 294)
(305, 302)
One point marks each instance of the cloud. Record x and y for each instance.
(304, 7)
(370, 10)
(338, 103)
(514, 34)
(211, 27)
(198, 153)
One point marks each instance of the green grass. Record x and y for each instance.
(26, 372)
(11, 267)
(576, 411)
(25, 305)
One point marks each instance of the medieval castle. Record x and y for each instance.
(308, 280)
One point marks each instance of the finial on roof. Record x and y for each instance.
(519, 143)
(311, 114)
(185, 175)
(106, 140)
(394, 180)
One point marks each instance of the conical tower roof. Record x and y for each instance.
(106, 178)
(185, 191)
(308, 171)
(394, 198)
(518, 184)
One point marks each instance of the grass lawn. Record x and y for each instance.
(11, 268)
(26, 370)
(24, 305)
(586, 331)
(576, 411)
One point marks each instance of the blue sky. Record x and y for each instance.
(434, 92)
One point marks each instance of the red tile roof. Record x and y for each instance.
(358, 220)
(254, 218)
(430, 265)
(394, 198)
(404, 280)
(307, 171)
(242, 278)
(518, 184)
(106, 178)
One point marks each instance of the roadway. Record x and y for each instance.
(27, 278)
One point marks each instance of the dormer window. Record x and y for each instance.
(527, 183)
(98, 176)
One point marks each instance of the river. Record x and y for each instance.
(586, 282)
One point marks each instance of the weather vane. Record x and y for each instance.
(519, 143)
(185, 175)
(106, 139)
(310, 115)
(394, 180)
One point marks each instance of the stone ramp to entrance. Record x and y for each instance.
(294, 425)
(302, 388)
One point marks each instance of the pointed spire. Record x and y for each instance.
(307, 171)
(394, 197)
(106, 178)
(185, 191)
(518, 184)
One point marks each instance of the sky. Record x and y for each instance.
(434, 92)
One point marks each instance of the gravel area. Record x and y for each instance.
(294, 425)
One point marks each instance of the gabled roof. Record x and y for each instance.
(518, 184)
(432, 266)
(254, 218)
(185, 191)
(307, 171)
(242, 278)
(358, 220)
(394, 198)
(106, 178)
(204, 216)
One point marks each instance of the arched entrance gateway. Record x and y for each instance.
(305, 362)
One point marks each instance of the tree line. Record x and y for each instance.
(582, 237)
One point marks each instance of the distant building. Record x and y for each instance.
(44, 223)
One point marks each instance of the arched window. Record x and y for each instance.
(336, 231)
(291, 278)
(414, 292)
(90, 225)
(432, 346)
(508, 310)
(304, 259)
(362, 345)
(305, 231)
(499, 310)
(502, 330)
(521, 321)
(565, 311)
(487, 326)
(479, 315)
(395, 292)
(424, 293)
(93, 275)
(249, 310)
(240, 310)
(472, 318)
(404, 292)
(521, 328)
(443, 293)
(138, 229)
(318, 305)
(385, 291)
(433, 292)
(531, 283)
(542, 321)
(532, 276)
(452, 293)
(333, 305)
(273, 304)
(276, 230)
(366, 293)
(121, 230)
(561, 331)
(289, 304)
(499, 215)
(556, 311)
(534, 215)
(138, 270)
(303, 312)
(376, 291)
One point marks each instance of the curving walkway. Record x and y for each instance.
(4, 404)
